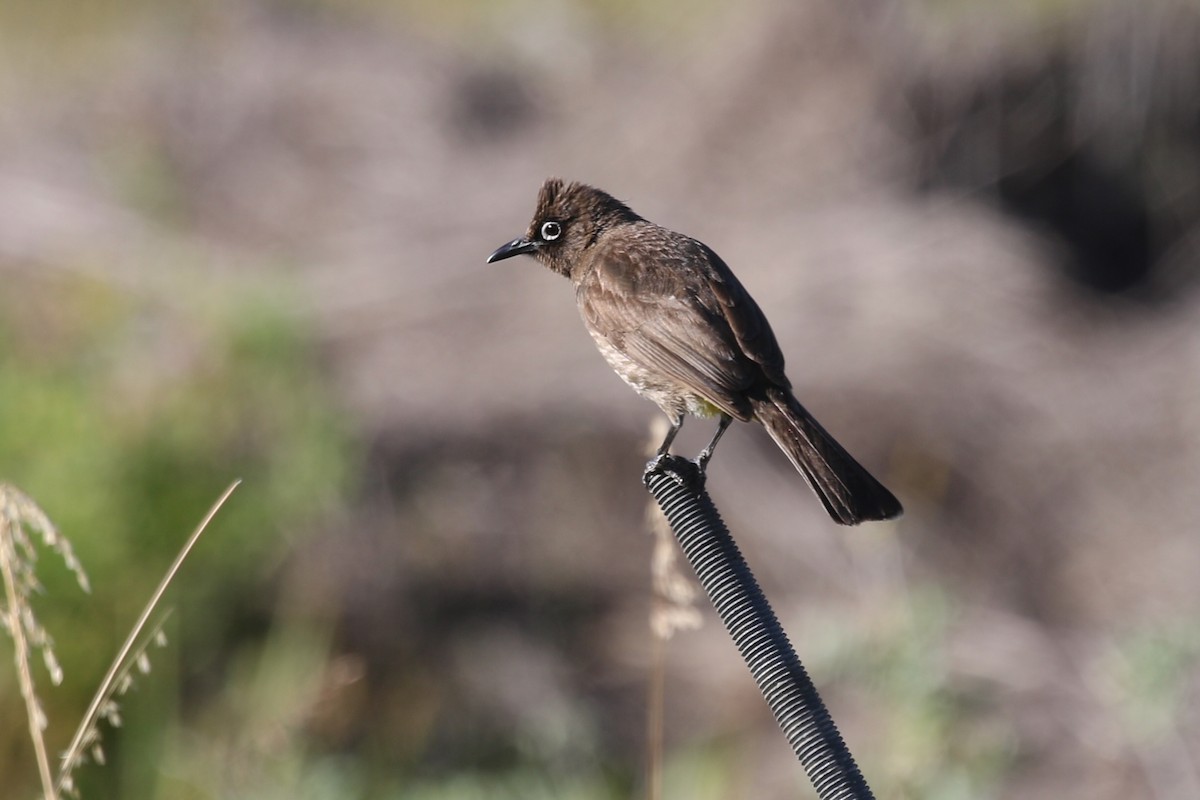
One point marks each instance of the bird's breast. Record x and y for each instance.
(672, 398)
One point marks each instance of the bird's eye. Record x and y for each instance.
(551, 231)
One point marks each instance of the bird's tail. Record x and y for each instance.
(850, 494)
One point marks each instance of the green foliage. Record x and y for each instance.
(125, 414)
(1148, 675)
(936, 735)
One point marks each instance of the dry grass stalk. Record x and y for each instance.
(19, 517)
(673, 609)
(117, 680)
(674, 591)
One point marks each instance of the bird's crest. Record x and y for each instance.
(574, 201)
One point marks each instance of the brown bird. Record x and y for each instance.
(670, 317)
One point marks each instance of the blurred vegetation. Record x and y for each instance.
(125, 415)
(937, 737)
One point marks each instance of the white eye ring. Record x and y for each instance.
(551, 231)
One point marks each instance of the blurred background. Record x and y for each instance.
(246, 239)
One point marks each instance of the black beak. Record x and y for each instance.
(516, 247)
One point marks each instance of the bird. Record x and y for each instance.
(673, 321)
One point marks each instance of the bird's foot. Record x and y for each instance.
(661, 464)
(656, 463)
(683, 471)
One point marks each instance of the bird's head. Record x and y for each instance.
(569, 219)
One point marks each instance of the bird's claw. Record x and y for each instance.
(685, 472)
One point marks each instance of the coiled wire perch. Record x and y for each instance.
(678, 487)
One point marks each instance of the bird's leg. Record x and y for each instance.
(664, 450)
(665, 447)
(706, 453)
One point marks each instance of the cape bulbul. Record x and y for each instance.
(670, 317)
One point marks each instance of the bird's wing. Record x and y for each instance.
(746, 320)
(685, 318)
